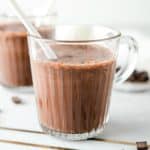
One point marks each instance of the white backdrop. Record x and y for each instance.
(131, 15)
(125, 12)
(106, 11)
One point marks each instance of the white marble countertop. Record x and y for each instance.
(129, 121)
(129, 117)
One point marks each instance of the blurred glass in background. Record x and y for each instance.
(129, 16)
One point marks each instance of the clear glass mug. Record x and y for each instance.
(15, 72)
(73, 91)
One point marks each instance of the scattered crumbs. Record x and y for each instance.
(16, 100)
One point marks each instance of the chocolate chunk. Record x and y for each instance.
(139, 76)
(118, 68)
(143, 76)
(142, 145)
(133, 76)
(16, 100)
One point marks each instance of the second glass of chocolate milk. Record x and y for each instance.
(15, 72)
(73, 91)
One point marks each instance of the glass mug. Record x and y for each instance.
(15, 72)
(73, 91)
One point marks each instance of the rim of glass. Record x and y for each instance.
(114, 36)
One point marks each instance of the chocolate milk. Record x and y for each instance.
(14, 57)
(14, 54)
(73, 92)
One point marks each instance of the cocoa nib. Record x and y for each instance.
(139, 76)
(142, 145)
(16, 100)
(118, 68)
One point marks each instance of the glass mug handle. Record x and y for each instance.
(126, 70)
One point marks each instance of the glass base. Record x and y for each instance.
(20, 89)
(79, 136)
(133, 87)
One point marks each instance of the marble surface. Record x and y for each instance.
(129, 115)
(129, 121)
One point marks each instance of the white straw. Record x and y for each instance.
(32, 30)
